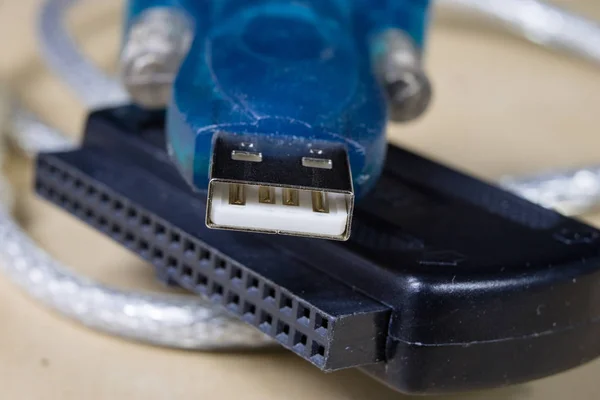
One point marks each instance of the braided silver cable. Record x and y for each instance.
(184, 322)
(174, 321)
(62, 55)
(570, 192)
(539, 22)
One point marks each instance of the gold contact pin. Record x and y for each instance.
(291, 197)
(237, 194)
(266, 195)
(319, 202)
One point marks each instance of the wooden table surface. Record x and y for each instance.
(502, 106)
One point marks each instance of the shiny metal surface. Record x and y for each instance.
(155, 46)
(400, 69)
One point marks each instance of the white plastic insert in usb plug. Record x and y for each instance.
(271, 209)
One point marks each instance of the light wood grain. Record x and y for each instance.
(502, 106)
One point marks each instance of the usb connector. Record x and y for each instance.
(271, 185)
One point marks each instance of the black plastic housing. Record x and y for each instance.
(447, 283)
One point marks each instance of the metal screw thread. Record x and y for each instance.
(398, 66)
(155, 45)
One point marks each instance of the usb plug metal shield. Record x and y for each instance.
(274, 185)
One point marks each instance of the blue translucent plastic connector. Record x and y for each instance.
(290, 79)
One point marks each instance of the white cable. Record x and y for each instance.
(542, 23)
(64, 57)
(175, 321)
(571, 192)
(191, 323)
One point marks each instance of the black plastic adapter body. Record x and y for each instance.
(447, 283)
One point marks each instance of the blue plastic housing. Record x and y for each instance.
(299, 70)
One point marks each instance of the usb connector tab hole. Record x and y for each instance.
(313, 162)
(250, 156)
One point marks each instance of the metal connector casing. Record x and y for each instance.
(273, 185)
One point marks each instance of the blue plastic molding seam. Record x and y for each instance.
(299, 73)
